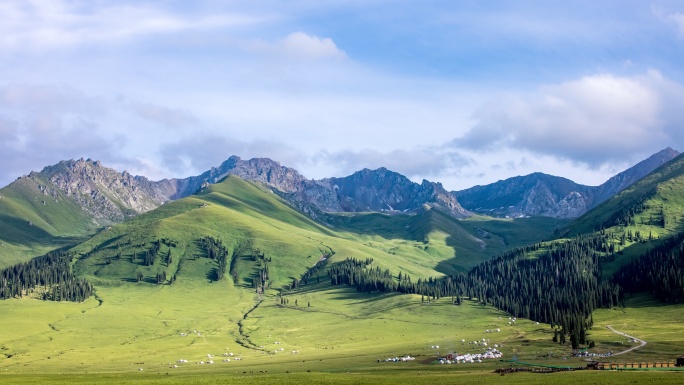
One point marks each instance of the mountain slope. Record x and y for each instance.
(385, 190)
(76, 197)
(366, 190)
(653, 204)
(536, 194)
(40, 211)
(633, 174)
(245, 219)
(547, 195)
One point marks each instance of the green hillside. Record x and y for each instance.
(31, 223)
(246, 218)
(459, 243)
(655, 203)
(638, 217)
(160, 298)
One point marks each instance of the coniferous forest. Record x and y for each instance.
(51, 273)
(659, 271)
(560, 285)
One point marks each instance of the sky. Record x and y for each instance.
(459, 92)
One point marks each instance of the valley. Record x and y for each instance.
(233, 282)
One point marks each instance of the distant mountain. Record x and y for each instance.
(531, 195)
(75, 197)
(47, 209)
(364, 191)
(107, 195)
(260, 170)
(552, 196)
(633, 174)
(654, 203)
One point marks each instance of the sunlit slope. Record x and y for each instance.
(459, 243)
(32, 223)
(639, 217)
(655, 203)
(248, 221)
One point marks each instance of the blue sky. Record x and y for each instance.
(461, 92)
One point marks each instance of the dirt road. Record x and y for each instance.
(643, 343)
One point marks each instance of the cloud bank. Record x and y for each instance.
(591, 120)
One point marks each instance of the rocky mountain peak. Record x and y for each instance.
(107, 195)
(553, 196)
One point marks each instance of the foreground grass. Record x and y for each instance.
(410, 376)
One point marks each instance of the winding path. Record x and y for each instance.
(244, 338)
(643, 343)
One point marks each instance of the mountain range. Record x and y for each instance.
(74, 197)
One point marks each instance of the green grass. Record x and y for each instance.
(239, 213)
(339, 338)
(660, 325)
(377, 377)
(339, 334)
(660, 191)
(32, 223)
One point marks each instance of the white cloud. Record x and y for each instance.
(41, 24)
(674, 18)
(297, 45)
(678, 19)
(195, 154)
(43, 124)
(591, 120)
(300, 44)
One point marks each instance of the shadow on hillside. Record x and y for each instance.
(22, 232)
(108, 242)
(644, 300)
(372, 224)
(452, 265)
(363, 297)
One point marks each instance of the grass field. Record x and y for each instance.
(410, 376)
(323, 334)
(339, 338)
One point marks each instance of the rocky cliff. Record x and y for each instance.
(552, 196)
(107, 195)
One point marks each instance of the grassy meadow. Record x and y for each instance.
(338, 338)
(315, 333)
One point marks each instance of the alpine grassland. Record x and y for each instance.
(32, 223)
(231, 285)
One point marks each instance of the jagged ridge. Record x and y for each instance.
(552, 196)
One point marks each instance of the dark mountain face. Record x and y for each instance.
(633, 174)
(107, 196)
(552, 196)
(261, 170)
(530, 195)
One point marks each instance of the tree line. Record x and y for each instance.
(659, 271)
(560, 286)
(51, 272)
